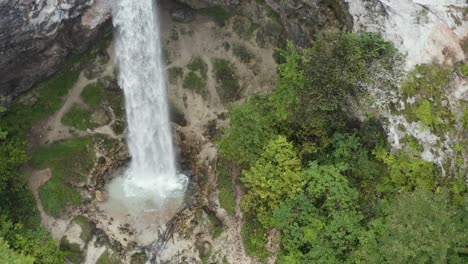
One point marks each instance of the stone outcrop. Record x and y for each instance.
(301, 19)
(36, 36)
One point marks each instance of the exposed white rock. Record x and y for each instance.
(424, 30)
(99, 12)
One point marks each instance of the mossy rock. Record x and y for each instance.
(243, 53)
(72, 251)
(228, 87)
(87, 228)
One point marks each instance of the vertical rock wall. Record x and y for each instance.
(37, 35)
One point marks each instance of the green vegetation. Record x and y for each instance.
(243, 27)
(226, 193)
(422, 16)
(197, 77)
(105, 258)
(86, 228)
(254, 238)
(418, 227)
(197, 64)
(329, 182)
(78, 117)
(93, 94)
(70, 162)
(18, 243)
(217, 226)
(97, 97)
(464, 69)
(22, 239)
(276, 176)
(219, 14)
(251, 128)
(241, 52)
(7, 255)
(46, 99)
(73, 252)
(228, 87)
(426, 84)
(195, 83)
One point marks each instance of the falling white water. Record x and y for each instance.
(152, 171)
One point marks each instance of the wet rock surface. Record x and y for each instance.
(37, 36)
(301, 19)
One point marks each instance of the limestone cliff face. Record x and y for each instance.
(301, 19)
(37, 35)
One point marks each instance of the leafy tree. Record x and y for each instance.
(3, 134)
(252, 127)
(321, 225)
(21, 238)
(36, 243)
(276, 176)
(9, 256)
(359, 165)
(419, 227)
(316, 86)
(406, 171)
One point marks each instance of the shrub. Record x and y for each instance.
(228, 87)
(93, 94)
(241, 52)
(78, 117)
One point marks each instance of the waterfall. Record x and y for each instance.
(152, 171)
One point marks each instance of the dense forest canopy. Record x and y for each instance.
(321, 175)
(327, 179)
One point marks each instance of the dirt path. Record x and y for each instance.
(53, 130)
(35, 181)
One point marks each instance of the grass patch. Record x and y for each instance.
(93, 94)
(195, 83)
(70, 161)
(205, 259)
(197, 64)
(255, 239)
(220, 15)
(243, 53)
(217, 226)
(105, 258)
(226, 194)
(72, 251)
(464, 118)
(78, 117)
(228, 87)
(47, 97)
(86, 228)
(197, 77)
(464, 69)
(40, 103)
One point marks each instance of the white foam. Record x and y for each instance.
(152, 172)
